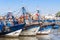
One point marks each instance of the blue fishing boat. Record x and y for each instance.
(45, 30)
(10, 26)
(49, 20)
(55, 26)
(13, 30)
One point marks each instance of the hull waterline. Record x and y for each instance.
(14, 31)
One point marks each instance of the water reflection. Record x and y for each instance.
(28, 38)
(39, 37)
(20, 38)
(43, 37)
(9, 38)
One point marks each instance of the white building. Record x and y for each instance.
(50, 17)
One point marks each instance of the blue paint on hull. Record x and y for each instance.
(13, 28)
(49, 20)
(56, 26)
(45, 28)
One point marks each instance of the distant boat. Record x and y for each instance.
(49, 20)
(14, 30)
(45, 30)
(56, 26)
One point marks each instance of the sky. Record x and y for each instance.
(45, 6)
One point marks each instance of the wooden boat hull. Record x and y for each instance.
(31, 30)
(43, 32)
(14, 30)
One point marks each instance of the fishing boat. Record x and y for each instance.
(13, 30)
(9, 26)
(49, 21)
(56, 26)
(45, 30)
(32, 29)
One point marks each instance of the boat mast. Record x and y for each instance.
(24, 13)
(38, 16)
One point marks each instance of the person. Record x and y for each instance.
(9, 22)
(15, 22)
(11, 18)
(1, 24)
